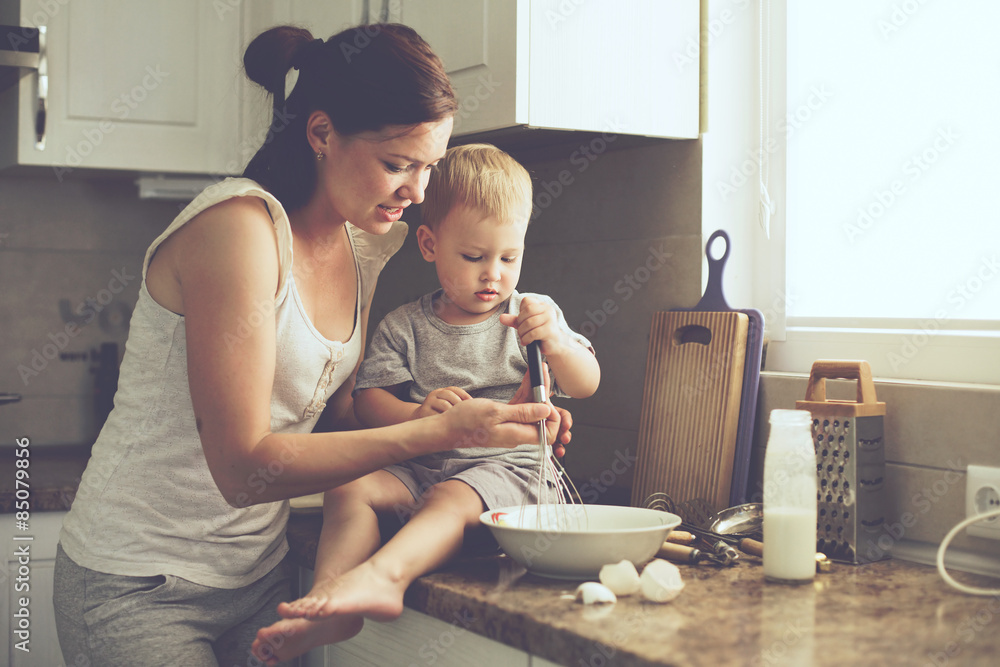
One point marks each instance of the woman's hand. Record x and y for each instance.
(440, 400)
(560, 421)
(480, 422)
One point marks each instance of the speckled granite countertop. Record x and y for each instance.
(887, 613)
(54, 475)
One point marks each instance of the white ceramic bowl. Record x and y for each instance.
(591, 536)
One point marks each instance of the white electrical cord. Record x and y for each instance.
(944, 547)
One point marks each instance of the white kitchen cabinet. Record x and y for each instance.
(29, 576)
(624, 68)
(619, 67)
(149, 86)
(322, 18)
(414, 639)
(418, 639)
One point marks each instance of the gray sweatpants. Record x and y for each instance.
(111, 620)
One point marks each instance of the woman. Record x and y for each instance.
(173, 550)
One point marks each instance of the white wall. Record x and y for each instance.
(730, 140)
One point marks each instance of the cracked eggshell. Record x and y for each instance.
(661, 581)
(591, 592)
(621, 577)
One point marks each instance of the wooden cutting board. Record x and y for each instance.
(691, 406)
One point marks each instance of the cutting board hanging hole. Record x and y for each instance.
(693, 333)
(717, 240)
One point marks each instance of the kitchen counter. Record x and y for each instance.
(886, 613)
(54, 475)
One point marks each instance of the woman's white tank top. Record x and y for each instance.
(147, 504)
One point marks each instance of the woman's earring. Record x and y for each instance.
(319, 155)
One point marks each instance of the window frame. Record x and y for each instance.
(937, 349)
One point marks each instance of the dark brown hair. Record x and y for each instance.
(365, 78)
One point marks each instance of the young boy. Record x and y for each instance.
(466, 340)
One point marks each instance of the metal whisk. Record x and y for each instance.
(558, 505)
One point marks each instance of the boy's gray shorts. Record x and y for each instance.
(112, 620)
(498, 483)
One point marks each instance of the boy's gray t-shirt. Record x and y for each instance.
(413, 345)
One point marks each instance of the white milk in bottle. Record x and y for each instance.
(790, 490)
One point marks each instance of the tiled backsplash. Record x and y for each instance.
(932, 432)
(627, 243)
(70, 260)
(617, 236)
(611, 244)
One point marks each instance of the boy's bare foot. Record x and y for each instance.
(363, 591)
(292, 637)
(332, 611)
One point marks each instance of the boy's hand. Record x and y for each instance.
(560, 422)
(440, 400)
(536, 321)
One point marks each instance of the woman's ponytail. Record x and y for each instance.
(364, 78)
(271, 54)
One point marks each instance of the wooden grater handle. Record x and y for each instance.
(840, 369)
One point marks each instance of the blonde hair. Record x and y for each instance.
(480, 176)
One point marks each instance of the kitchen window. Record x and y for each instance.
(880, 143)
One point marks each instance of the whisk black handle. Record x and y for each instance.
(535, 369)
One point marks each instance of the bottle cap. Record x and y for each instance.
(791, 417)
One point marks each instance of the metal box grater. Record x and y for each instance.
(850, 463)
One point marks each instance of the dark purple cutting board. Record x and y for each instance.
(713, 300)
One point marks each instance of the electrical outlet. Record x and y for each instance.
(982, 494)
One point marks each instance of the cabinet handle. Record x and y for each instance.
(43, 90)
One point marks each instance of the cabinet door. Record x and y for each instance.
(416, 638)
(322, 18)
(477, 41)
(135, 85)
(619, 67)
(29, 577)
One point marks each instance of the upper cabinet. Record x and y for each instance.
(147, 86)
(621, 67)
(157, 85)
(322, 18)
